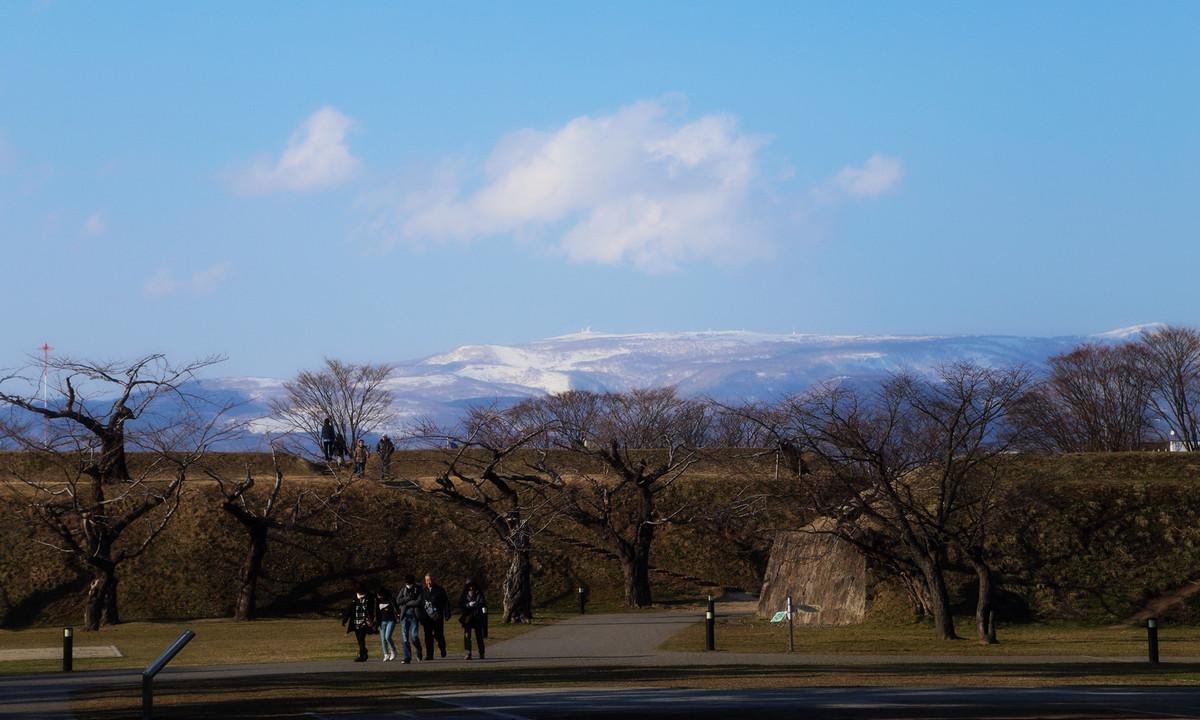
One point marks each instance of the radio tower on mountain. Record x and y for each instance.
(45, 348)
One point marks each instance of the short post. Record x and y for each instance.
(709, 623)
(581, 600)
(1152, 637)
(68, 648)
(485, 620)
(791, 632)
(154, 668)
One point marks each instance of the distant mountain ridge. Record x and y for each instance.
(724, 364)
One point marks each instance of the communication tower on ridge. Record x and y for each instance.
(45, 348)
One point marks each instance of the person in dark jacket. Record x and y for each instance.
(385, 608)
(435, 606)
(359, 618)
(327, 439)
(408, 606)
(339, 448)
(385, 448)
(474, 616)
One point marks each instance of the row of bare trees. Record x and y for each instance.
(1120, 397)
(908, 469)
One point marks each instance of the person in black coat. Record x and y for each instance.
(327, 439)
(473, 616)
(435, 606)
(359, 618)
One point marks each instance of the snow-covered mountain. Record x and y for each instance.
(727, 365)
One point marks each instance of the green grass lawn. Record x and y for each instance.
(267, 698)
(217, 642)
(756, 635)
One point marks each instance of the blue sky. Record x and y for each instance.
(379, 181)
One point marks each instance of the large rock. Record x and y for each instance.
(817, 570)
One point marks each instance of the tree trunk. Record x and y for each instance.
(938, 598)
(985, 612)
(518, 588)
(100, 606)
(635, 566)
(247, 603)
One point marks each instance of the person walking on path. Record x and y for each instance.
(385, 609)
(474, 616)
(384, 448)
(359, 618)
(435, 606)
(339, 447)
(361, 453)
(408, 607)
(328, 439)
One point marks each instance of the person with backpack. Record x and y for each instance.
(385, 448)
(435, 606)
(327, 439)
(473, 616)
(408, 607)
(359, 618)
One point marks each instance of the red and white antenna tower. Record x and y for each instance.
(45, 348)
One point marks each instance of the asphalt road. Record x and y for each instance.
(630, 641)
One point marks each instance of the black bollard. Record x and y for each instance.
(709, 620)
(68, 648)
(581, 601)
(1152, 637)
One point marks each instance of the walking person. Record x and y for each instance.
(435, 606)
(474, 616)
(385, 610)
(408, 607)
(359, 618)
(384, 448)
(361, 453)
(339, 447)
(328, 439)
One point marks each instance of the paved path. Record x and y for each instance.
(588, 640)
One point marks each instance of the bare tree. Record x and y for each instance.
(1096, 398)
(484, 473)
(355, 397)
(909, 471)
(621, 453)
(313, 511)
(1171, 359)
(97, 511)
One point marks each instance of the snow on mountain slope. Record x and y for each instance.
(726, 364)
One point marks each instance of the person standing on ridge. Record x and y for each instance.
(361, 453)
(384, 448)
(328, 439)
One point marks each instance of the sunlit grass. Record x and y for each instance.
(757, 635)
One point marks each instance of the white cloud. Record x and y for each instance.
(95, 224)
(162, 283)
(202, 282)
(316, 158)
(879, 175)
(637, 186)
(642, 186)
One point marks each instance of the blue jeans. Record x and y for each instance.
(409, 627)
(386, 628)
